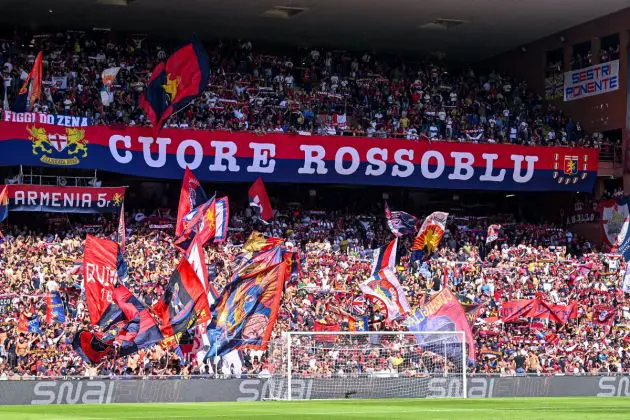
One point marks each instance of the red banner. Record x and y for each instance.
(243, 157)
(514, 310)
(48, 198)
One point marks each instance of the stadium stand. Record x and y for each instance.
(326, 93)
(296, 91)
(528, 261)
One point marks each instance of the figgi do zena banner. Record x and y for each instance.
(242, 157)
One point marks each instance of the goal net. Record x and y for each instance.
(353, 365)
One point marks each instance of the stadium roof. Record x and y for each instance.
(463, 29)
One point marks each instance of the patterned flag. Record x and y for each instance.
(493, 233)
(384, 257)
(31, 89)
(174, 84)
(385, 287)
(431, 232)
(246, 312)
(400, 223)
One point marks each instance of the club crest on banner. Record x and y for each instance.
(615, 219)
(63, 148)
(574, 168)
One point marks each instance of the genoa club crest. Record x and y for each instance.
(574, 168)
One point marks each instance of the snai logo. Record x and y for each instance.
(574, 169)
(50, 145)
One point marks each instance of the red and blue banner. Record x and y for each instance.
(243, 157)
(53, 199)
(442, 313)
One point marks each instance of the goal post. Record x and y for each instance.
(374, 364)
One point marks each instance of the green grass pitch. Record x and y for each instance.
(450, 409)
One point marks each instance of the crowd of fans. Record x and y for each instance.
(527, 261)
(303, 91)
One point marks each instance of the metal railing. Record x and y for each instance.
(612, 154)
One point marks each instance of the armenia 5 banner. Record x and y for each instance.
(53, 199)
(243, 157)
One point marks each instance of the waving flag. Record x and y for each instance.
(206, 222)
(384, 257)
(108, 76)
(4, 203)
(431, 232)
(31, 90)
(493, 233)
(29, 324)
(55, 309)
(174, 84)
(259, 199)
(100, 276)
(400, 223)
(442, 313)
(137, 330)
(385, 287)
(184, 304)
(191, 196)
(604, 314)
(245, 313)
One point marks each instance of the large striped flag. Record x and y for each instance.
(384, 257)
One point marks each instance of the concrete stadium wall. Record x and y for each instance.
(109, 391)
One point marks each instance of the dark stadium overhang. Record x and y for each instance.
(461, 29)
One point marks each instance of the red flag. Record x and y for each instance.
(320, 326)
(99, 275)
(259, 199)
(31, 90)
(190, 197)
(174, 84)
(184, 304)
